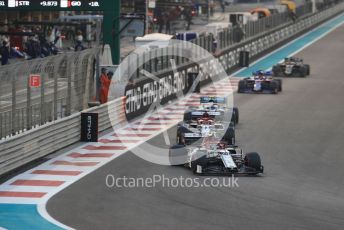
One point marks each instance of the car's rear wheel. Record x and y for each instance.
(242, 86)
(279, 83)
(274, 87)
(277, 71)
(187, 116)
(298, 73)
(180, 139)
(180, 135)
(235, 115)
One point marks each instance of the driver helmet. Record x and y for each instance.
(260, 74)
(206, 115)
(214, 106)
(221, 145)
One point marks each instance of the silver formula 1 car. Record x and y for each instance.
(211, 118)
(191, 133)
(215, 157)
(216, 107)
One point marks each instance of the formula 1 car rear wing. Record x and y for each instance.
(217, 100)
(293, 59)
(197, 114)
(265, 73)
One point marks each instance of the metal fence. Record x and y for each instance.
(240, 33)
(67, 81)
(159, 62)
(66, 86)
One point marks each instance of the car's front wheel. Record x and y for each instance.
(253, 162)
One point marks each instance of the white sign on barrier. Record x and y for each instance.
(151, 4)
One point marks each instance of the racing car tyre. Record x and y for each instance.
(279, 81)
(180, 131)
(187, 116)
(178, 155)
(308, 69)
(298, 73)
(274, 87)
(242, 86)
(277, 71)
(229, 136)
(235, 115)
(252, 160)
